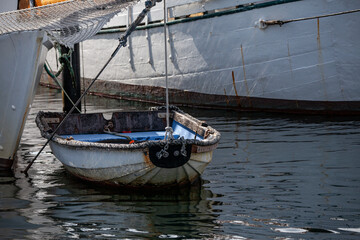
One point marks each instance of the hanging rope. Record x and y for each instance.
(54, 76)
(64, 59)
(282, 22)
(168, 129)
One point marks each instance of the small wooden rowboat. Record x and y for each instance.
(130, 149)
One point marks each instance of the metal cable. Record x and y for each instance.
(282, 22)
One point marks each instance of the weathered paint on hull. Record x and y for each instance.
(227, 60)
(131, 168)
(155, 95)
(187, 98)
(21, 63)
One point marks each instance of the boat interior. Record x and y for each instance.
(124, 127)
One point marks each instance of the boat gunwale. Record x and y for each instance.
(212, 139)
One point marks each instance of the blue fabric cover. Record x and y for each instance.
(179, 130)
(137, 136)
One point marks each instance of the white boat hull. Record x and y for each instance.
(127, 168)
(136, 154)
(229, 61)
(21, 63)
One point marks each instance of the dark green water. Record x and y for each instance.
(272, 177)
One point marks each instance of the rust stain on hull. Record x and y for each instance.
(246, 84)
(226, 97)
(236, 93)
(147, 159)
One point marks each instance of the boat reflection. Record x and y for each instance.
(52, 201)
(94, 210)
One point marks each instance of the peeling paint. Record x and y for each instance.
(216, 101)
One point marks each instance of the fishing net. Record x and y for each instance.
(67, 22)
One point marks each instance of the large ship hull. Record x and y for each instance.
(224, 58)
(21, 63)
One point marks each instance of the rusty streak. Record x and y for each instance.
(246, 85)
(236, 93)
(226, 97)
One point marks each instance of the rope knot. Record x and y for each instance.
(169, 133)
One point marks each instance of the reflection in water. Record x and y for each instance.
(273, 176)
(92, 212)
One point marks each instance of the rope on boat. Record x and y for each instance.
(122, 43)
(264, 24)
(117, 134)
(207, 141)
(169, 137)
(168, 129)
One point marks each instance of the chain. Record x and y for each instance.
(183, 147)
(163, 152)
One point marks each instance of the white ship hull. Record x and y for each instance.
(223, 58)
(21, 63)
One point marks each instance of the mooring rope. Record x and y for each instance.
(282, 22)
(50, 72)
